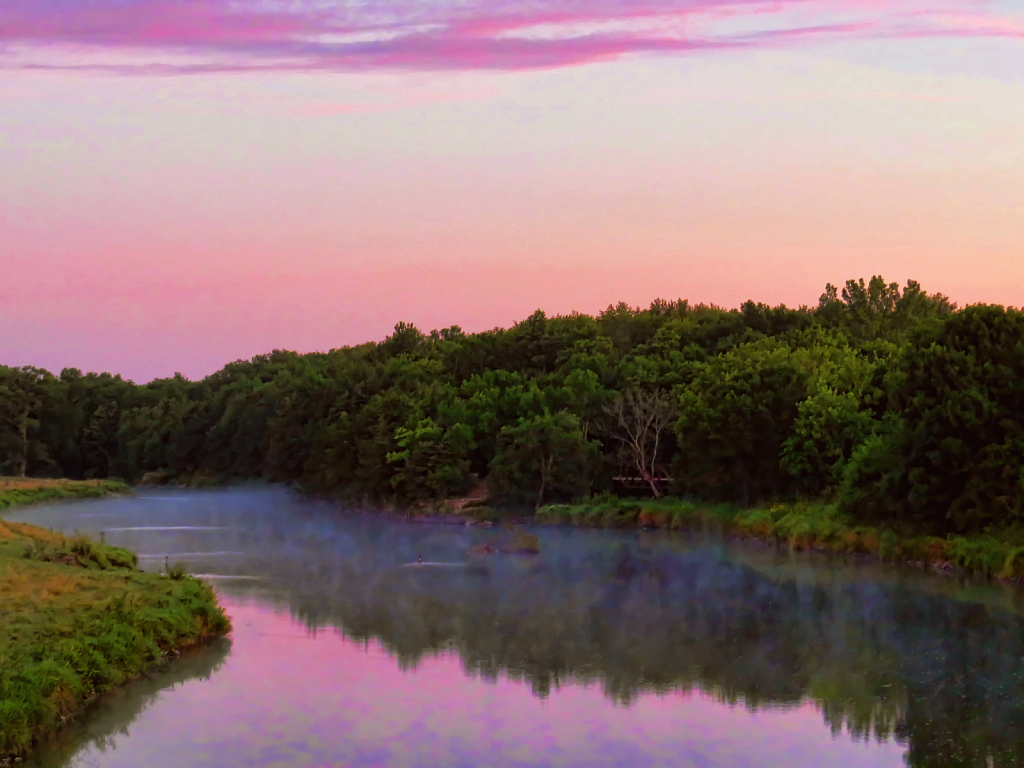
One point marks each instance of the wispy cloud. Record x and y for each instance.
(196, 36)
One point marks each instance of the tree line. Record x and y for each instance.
(903, 407)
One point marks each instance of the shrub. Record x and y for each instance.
(177, 572)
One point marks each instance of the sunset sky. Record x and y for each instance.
(188, 182)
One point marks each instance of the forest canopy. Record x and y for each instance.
(890, 399)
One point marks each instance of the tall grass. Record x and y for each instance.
(21, 491)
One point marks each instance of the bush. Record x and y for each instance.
(80, 552)
(177, 572)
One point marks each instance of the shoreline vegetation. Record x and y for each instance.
(805, 526)
(21, 491)
(799, 526)
(881, 420)
(77, 619)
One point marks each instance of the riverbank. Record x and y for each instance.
(19, 491)
(77, 620)
(814, 526)
(809, 526)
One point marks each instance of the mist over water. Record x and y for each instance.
(608, 649)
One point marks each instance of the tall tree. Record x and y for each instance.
(543, 457)
(734, 416)
(22, 391)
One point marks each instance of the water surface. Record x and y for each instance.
(608, 649)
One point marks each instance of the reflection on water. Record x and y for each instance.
(109, 725)
(609, 648)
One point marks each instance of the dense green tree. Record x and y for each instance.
(880, 310)
(734, 416)
(22, 394)
(839, 412)
(542, 459)
(908, 404)
(432, 461)
(952, 456)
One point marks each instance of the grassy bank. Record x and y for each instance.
(18, 491)
(77, 619)
(804, 526)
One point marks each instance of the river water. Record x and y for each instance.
(610, 648)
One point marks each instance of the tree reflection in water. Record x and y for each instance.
(112, 717)
(883, 653)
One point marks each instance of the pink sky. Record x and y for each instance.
(188, 183)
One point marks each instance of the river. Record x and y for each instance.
(610, 648)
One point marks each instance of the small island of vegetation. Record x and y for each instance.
(882, 420)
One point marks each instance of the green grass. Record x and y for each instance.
(18, 491)
(815, 526)
(76, 620)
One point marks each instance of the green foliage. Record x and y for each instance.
(540, 458)
(887, 398)
(952, 459)
(82, 552)
(70, 631)
(803, 526)
(19, 492)
(735, 414)
(880, 310)
(829, 426)
(177, 572)
(433, 461)
(837, 415)
(23, 392)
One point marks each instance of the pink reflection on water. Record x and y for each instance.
(286, 698)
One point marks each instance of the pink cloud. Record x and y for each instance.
(195, 36)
